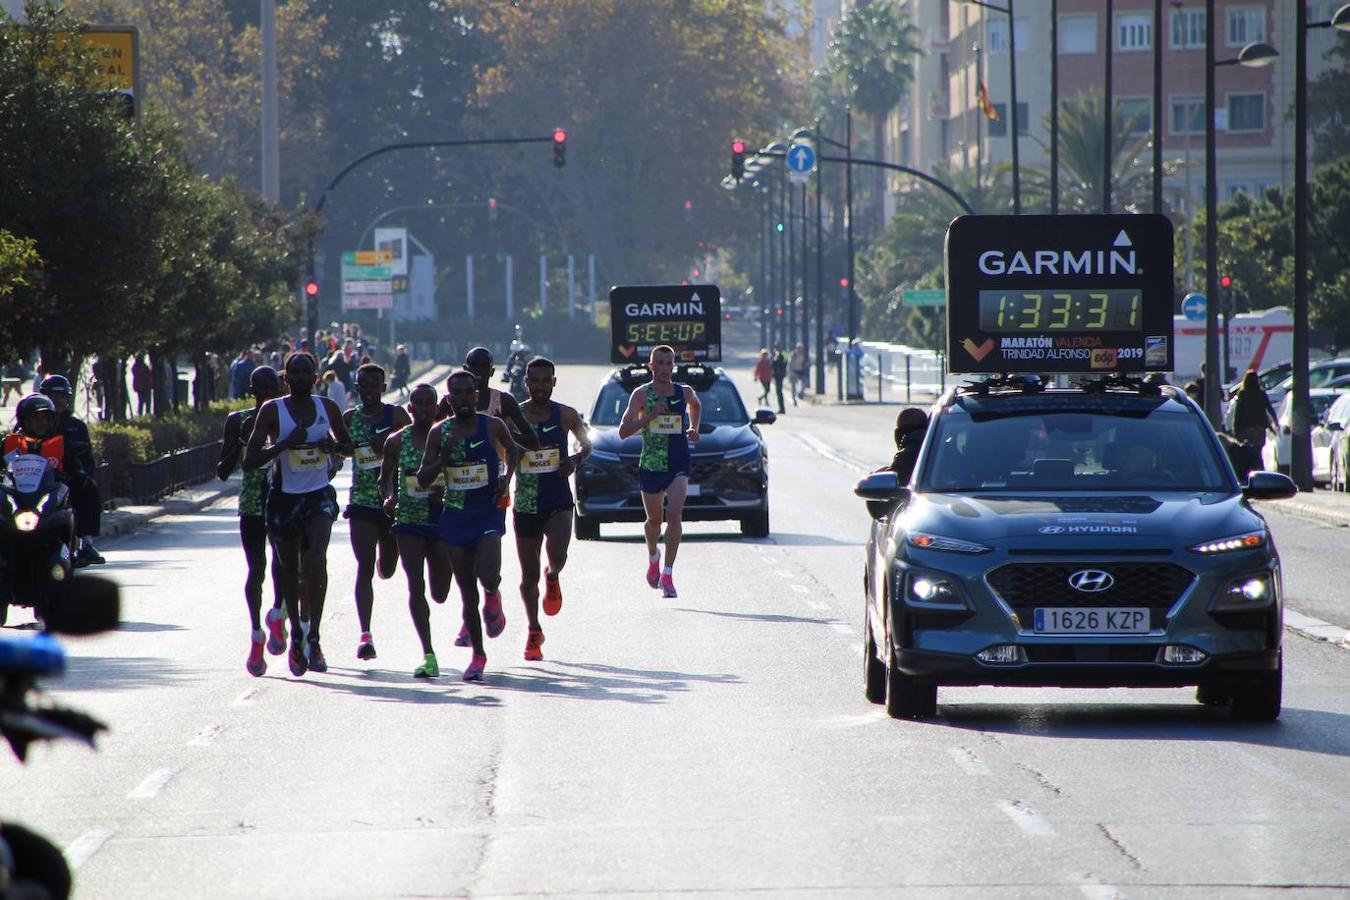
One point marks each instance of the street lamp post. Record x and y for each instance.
(1012, 97)
(1300, 444)
(1157, 108)
(1252, 56)
(1107, 104)
(1054, 107)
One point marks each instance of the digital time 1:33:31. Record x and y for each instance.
(1060, 310)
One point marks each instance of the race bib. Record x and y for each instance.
(670, 423)
(367, 458)
(307, 459)
(539, 462)
(413, 489)
(467, 478)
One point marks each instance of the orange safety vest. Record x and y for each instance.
(54, 447)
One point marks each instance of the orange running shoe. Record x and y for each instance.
(552, 594)
(534, 643)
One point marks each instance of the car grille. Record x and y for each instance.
(1154, 586)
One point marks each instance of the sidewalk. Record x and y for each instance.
(1328, 507)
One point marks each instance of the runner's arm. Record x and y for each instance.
(265, 424)
(504, 438)
(339, 438)
(523, 432)
(571, 420)
(389, 471)
(229, 447)
(695, 412)
(633, 418)
(431, 458)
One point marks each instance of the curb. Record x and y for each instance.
(1316, 512)
(127, 519)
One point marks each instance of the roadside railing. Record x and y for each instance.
(173, 471)
(901, 371)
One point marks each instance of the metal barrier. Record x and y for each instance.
(104, 479)
(173, 472)
(907, 370)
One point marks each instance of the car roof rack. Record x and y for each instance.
(1026, 384)
(699, 376)
(1101, 385)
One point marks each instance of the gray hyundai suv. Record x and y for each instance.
(1094, 536)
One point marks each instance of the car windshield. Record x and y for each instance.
(721, 405)
(1145, 444)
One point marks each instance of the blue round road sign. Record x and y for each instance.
(1193, 307)
(801, 158)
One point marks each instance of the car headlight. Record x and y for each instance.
(1247, 592)
(26, 520)
(738, 452)
(1249, 541)
(928, 590)
(936, 542)
(603, 456)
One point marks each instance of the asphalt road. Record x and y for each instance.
(716, 744)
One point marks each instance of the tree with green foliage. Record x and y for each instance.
(871, 58)
(1328, 100)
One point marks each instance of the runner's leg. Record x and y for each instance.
(463, 563)
(365, 534)
(253, 534)
(557, 538)
(439, 574)
(527, 549)
(388, 551)
(651, 528)
(318, 529)
(413, 552)
(675, 495)
(289, 553)
(488, 553)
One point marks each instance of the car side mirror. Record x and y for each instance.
(1335, 426)
(1269, 486)
(765, 416)
(882, 491)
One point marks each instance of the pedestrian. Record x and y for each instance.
(333, 389)
(797, 372)
(13, 380)
(1253, 414)
(416, 511)
(764, 375)
(469, 447)
(543, 503)
(402, 372)
(298, 432)
(666, 414)
(84, 493)
(143, 383)
(372, 536)
(240, 371)
(264, 385)
(780, 367)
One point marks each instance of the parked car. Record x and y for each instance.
(1331, 449)
(1275, 455)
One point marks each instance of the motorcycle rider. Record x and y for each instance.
(35, 431)
(79, 469)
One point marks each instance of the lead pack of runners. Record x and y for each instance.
(430, 489)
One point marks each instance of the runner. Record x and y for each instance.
(472, 519)
(299, 433)
(667, 414)
(416, 511)
(543, 510)
(264, 385)
(372, 534)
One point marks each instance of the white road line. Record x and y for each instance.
(206, 736)
(1027, 819)
(801, 588)
(816, 445)
(817, 604)
(155, 782)
(784, 573)
(247, 697)
(1316, 629)
(842, 628)
(85, 846)
(857, 648)
(968, 761)
(1102, 892)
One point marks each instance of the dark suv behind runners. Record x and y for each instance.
(1090, 537)
(730, 478)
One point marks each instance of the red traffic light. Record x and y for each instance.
(559, 136)
(1226, 281)
(689, 204)
(311, 288)
(738, 146)
(843, 282)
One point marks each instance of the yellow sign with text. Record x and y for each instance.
(116, 51)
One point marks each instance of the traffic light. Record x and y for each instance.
(559, 147)
(843, 288)
(738, 159)
(689, 210)
(1226, 290)
(492, 209)
(778, 227)
(311, 289)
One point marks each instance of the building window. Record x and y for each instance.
(1135, 114)
(1246, 112)
(1134, 31)
(999, 127)
(1188, 115)
(1188, 29)
(1246, 24)
(998, 35)
(1077, 34)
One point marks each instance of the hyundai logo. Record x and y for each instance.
(1051, 529)
(1091, 581)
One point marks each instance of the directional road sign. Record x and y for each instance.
(936, 297)
(1194, 307)
(801, 161)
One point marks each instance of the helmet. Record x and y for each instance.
(55, 384)
(30, 406)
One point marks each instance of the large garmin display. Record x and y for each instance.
(1050, 294)
(688, 317)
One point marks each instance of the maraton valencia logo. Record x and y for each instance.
(978, 351)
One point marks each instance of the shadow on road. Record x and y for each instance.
(101, 673)
(149, 627)
(393, 687)
(757, 617)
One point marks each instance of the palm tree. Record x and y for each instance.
(871, 60)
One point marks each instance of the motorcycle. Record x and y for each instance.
(32, 867)
(515, 374)
(37, 532)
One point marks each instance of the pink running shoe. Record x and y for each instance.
(275, 621)
(653, 574)
(257, 663)
(534, 645)
(463, 640)
(668, 587)
(476, 666)
(494, 620)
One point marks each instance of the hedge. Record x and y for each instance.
(120, 444)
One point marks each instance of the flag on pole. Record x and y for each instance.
(982, 97)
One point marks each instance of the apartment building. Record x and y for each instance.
(941, 122)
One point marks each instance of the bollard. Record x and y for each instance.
(880, 380)
(909, 385)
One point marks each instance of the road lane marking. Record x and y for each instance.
(85, 846)
(1316, 629)
(857, 648)
(784, 573)
(818, 446)
(801, 588)
(247, 697)
(968, 761)
(818, 605)
(206, 736)
(1102, 892)
(1027, 819)
(842, 627)
(155, 782)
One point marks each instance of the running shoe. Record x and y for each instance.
(476, 666)
(365, 647)
(494, 620)
(316, 660)
(257, 663)
(534, 643)
(276, 631)
(428, 668)
(668, 587)
(299, 665)
(654, 574)
(88, 555)
(463, 640)
(552, 594)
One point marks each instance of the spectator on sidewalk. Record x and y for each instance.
(780, 367)
(764, 375)
(797, 372)
(143, 383)
(402, 372)
(334, 389)
(13, 380)
(241, 370)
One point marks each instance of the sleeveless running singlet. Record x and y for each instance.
(253, 491)
(665, 448)
(471, 475)
(414, 501)
(539, 487)
(305, 468)
(365, 489)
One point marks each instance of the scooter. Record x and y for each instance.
(37, 532)
(32, 867)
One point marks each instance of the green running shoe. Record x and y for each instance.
(428, 668)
